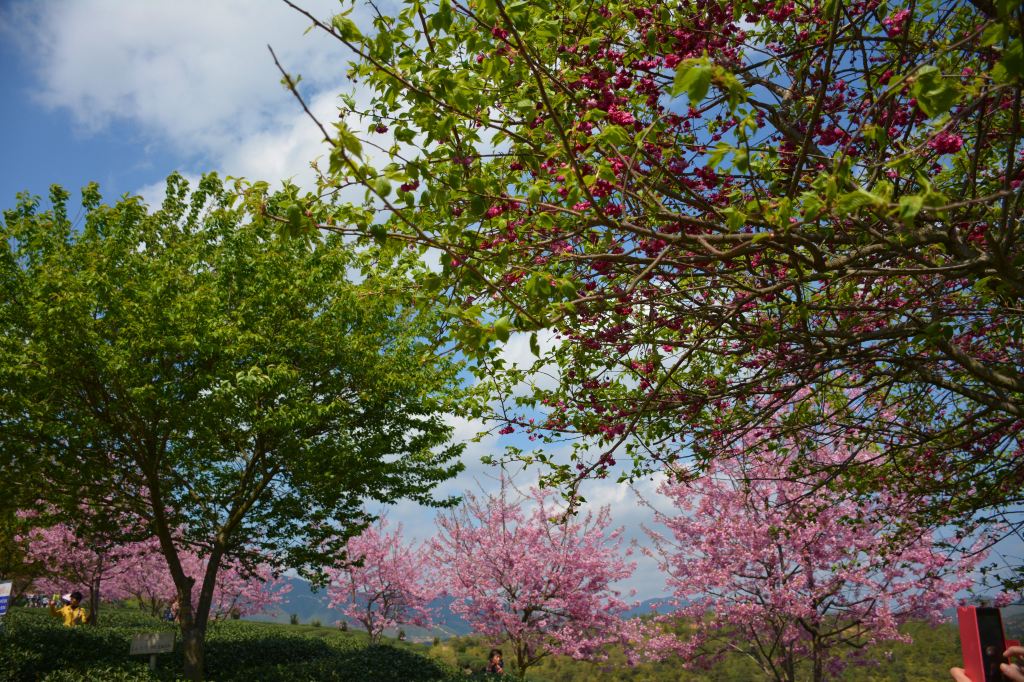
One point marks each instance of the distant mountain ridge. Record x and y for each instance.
(310, 605)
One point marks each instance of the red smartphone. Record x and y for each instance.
(982, 642)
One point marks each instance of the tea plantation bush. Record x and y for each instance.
(36, 648)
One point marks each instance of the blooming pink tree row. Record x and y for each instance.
(796, 575)
(515, 573)
(238, 592)
(80, 558)
(75, 558)
(793, 573)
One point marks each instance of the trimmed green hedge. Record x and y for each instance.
(36, 648)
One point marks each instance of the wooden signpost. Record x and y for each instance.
(152, 643)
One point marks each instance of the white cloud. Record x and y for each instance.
(283, 151)
(193, 75)
(195, 72)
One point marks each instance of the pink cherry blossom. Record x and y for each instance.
(391, 585)
(520, 574)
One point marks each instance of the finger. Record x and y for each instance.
(1012, 672)
(1014, 651)
(959, 675)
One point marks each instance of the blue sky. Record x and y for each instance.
(44, 145)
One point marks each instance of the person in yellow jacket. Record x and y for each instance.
(72, 613)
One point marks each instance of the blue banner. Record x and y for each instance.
(5, 597)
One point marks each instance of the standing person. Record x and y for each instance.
(72, 613)
(494, 663)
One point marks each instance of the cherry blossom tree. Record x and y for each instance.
(238, 592)
(387, 581)
(151, 583)
(78, 557)
(712, 208)
(520, 575)
(796, 575)
(75, 558)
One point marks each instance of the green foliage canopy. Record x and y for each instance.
(190, 375)
(717, 210)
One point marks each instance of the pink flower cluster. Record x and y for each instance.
(946, 143)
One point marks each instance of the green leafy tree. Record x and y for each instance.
(16, 563)
(235, 393)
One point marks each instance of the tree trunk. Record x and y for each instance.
(94, 602)
(193, 641)
(194, 622)
(522, 659)
(789, 666)
(94, 594)
(193, 633)
(819, 662)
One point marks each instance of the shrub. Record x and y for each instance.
(38, 649)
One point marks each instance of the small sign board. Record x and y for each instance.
(152, 643)
(5, 597)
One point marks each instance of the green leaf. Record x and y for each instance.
(718, 155)
(935, 94)
(432, 282)
(534, 346)
(910, 206)
(734, 218)
(740, 160)
(442, 18)
(294, 214)
(1011, 65)
(693, 76)
(851, 201)
(346, 28)
(812, 205)
(347, 139)
(995, 33)
(382, 186)
(736, 94)
(615, 135)
(501, 329)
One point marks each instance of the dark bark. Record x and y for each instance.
(194, 622)
(94, 593)
(193, 632)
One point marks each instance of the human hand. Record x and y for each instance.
(1011, 671)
